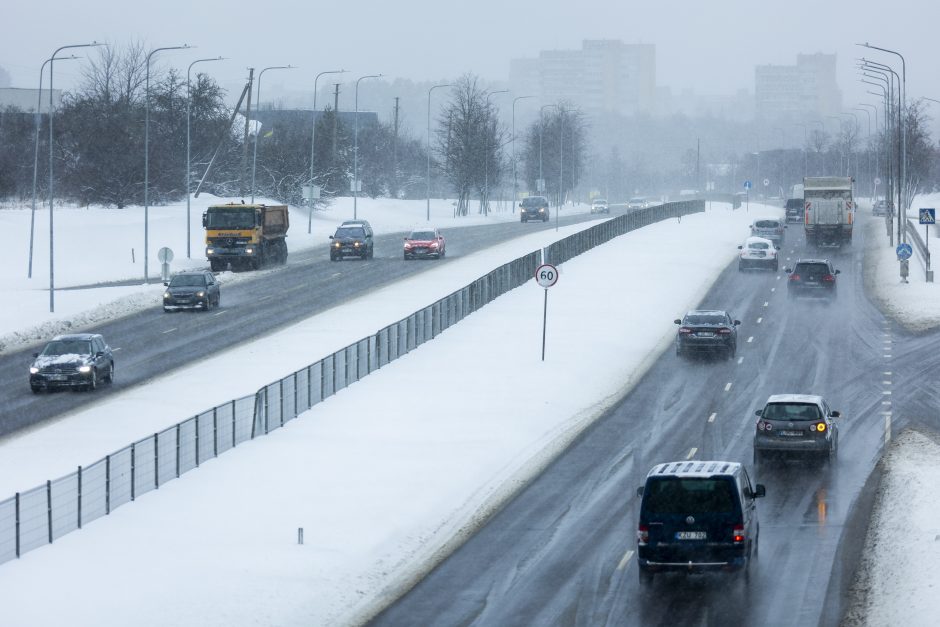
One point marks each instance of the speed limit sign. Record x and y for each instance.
(546, 275)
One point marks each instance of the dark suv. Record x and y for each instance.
(533, 208)
(80, 360)
(794, 210)
(794, 424)
(707, 330)
(353, 238)
(192, 289)
(697, 516)
(812, 277)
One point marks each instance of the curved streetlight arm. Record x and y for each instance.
(428, 145)
(356, 146)
(313, 136)
(254, 156)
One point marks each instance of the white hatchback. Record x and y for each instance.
(758, 252)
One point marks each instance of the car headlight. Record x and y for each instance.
(84, 369)
(167, 295)
(210, 251)
(200, 294)
(356, 244)
(336, 244)
(249, 251)
(33, 370)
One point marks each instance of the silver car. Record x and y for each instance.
(796, 424)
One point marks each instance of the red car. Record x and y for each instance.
(425, 243)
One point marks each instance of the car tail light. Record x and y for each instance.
(642, 535)
(764, 426)
(684, 330)
(738, 532)
(794, 277)
(828, 278)
(820, 426)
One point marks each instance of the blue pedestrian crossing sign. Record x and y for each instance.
(904, 251)
(928, 216)
(747, 185)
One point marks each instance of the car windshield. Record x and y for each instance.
(811, 268)
(533, 201)
(791, 411)
(235, 218)
(759, 245)
(766, 224)
(188, 280)
(600, 201)
(673, 495)
(636, 200)
(350, 232)
(705, 319)
(68, 347)
(422, 235)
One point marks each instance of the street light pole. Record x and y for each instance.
(486, 151)
(147, 156)
(188, 173)
(428, 146)
(313, 136)
(871, 175)
(515, 184)
(356, 147)
(883, 70)
(38, 121)
(254, 156)
(51, 212)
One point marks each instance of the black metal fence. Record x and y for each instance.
(38, 516)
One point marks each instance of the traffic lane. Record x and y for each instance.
(152, 343)
(563, 547)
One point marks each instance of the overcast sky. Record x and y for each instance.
(711, 47)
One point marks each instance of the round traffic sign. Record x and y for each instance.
(904, 251)
(165, 255)
(546, 275)
(877, 180)
(766, 182)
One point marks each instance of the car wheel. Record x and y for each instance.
(110, 376)
(207, 304)
(405, 257)
(93, 384)
(36, 389)
(732, 351)
(443, 252)
(776, 266)
(523, 220)
(165, 310)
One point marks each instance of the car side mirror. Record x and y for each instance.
(99, 354)
(166, 283)
(759, 491)
(677, 321)
(405, 238)
(205, 220)
(331, 237)
(35, 355)
(639, 491)
(776, 248)
(788, 270)
(736, 322)
(758, 412)
(740, 247)
(838, 272)
(835, 414)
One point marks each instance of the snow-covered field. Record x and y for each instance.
(380, 495)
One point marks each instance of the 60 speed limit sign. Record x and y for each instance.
(546, 275)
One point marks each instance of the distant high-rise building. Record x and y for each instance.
(807, 90)
(603, 76)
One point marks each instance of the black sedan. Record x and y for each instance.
(707, 331)
(194, 289)
(80, 360)
(812, 277)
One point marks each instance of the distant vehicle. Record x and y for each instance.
(708, 331)
(425, 244)
(245, 236)
(192, 289)
(830, 210)
(794, 210)
(533, 208)
(80, 360)
(812, 277)
(353, 238)
(796, 424)
(880, 207)
(769, 228)
(638, 202)
(697, 516)
(600, 205)
(758, 252)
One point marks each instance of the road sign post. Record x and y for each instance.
(546, 275)
(928, 216)
(165, 256)
(747, 196)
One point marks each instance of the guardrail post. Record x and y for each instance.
(17, 523)
(234, 422)
(215, 432)
(107, 484)
(49, 507)
(265, 416)
(177, 450)
(156, 462)
(79, 497)
(133, 471)
(197, 440)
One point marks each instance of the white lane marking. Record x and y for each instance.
(750, 339)
(887, 373)
(885, 402)
(169, 331)
(727, 386)
(264, 297)
(886, 383)
(886, 392)
(692, 453)
(766, 303)
(887, 355)
(114, 350)
(886, 341)
(758, 320)
(335, 274)
(887, 429)
(740, 359)
(778, 277)
(219, 313)
(626, 560)
(773, 289)
(711, 418)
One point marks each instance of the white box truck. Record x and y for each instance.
(829, 210)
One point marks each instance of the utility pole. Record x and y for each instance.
(395, 153)
(244, 171)
(335, 121)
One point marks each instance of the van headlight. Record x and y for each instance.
(200, 294)
(84, 369)
(33, 370)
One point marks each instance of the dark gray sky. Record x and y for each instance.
(711, 47)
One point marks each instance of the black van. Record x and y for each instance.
(697, 516)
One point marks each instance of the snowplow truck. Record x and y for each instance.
(829, 210)
(245, 236)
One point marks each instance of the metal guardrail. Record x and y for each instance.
(914, 237)
(38, 516)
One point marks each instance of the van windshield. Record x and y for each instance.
(698, 495)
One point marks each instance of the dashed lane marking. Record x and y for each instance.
(169, 331)
(740, 359)
(692, 453)
(626, 560)
(766, 303)
(727, 386)
(219, 313)
(711, 418)
(750, 339)
(758, 320)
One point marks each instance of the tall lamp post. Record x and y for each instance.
(515, 184)
(356, 146)
(38, 121)
(51, 212)
(189, 102)
(428, 146)
(486, 152)
(254, 156)
(147, 156)
(883, 72)
(313, 136)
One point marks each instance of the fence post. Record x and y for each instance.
(309, 386)
(295, 395)
(280, 402)
(215, 432)
(107, 484)
(233, 424)
(133, 470)
(156, 462)
(265, 410)
(79, 497)
(177, 450)
(17, 514)
(197, 440)
(49, 507)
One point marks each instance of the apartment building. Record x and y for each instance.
(807, 90)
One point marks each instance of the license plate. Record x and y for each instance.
(57, 377)
(792, 434)
(705, 334)
(690, 535)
